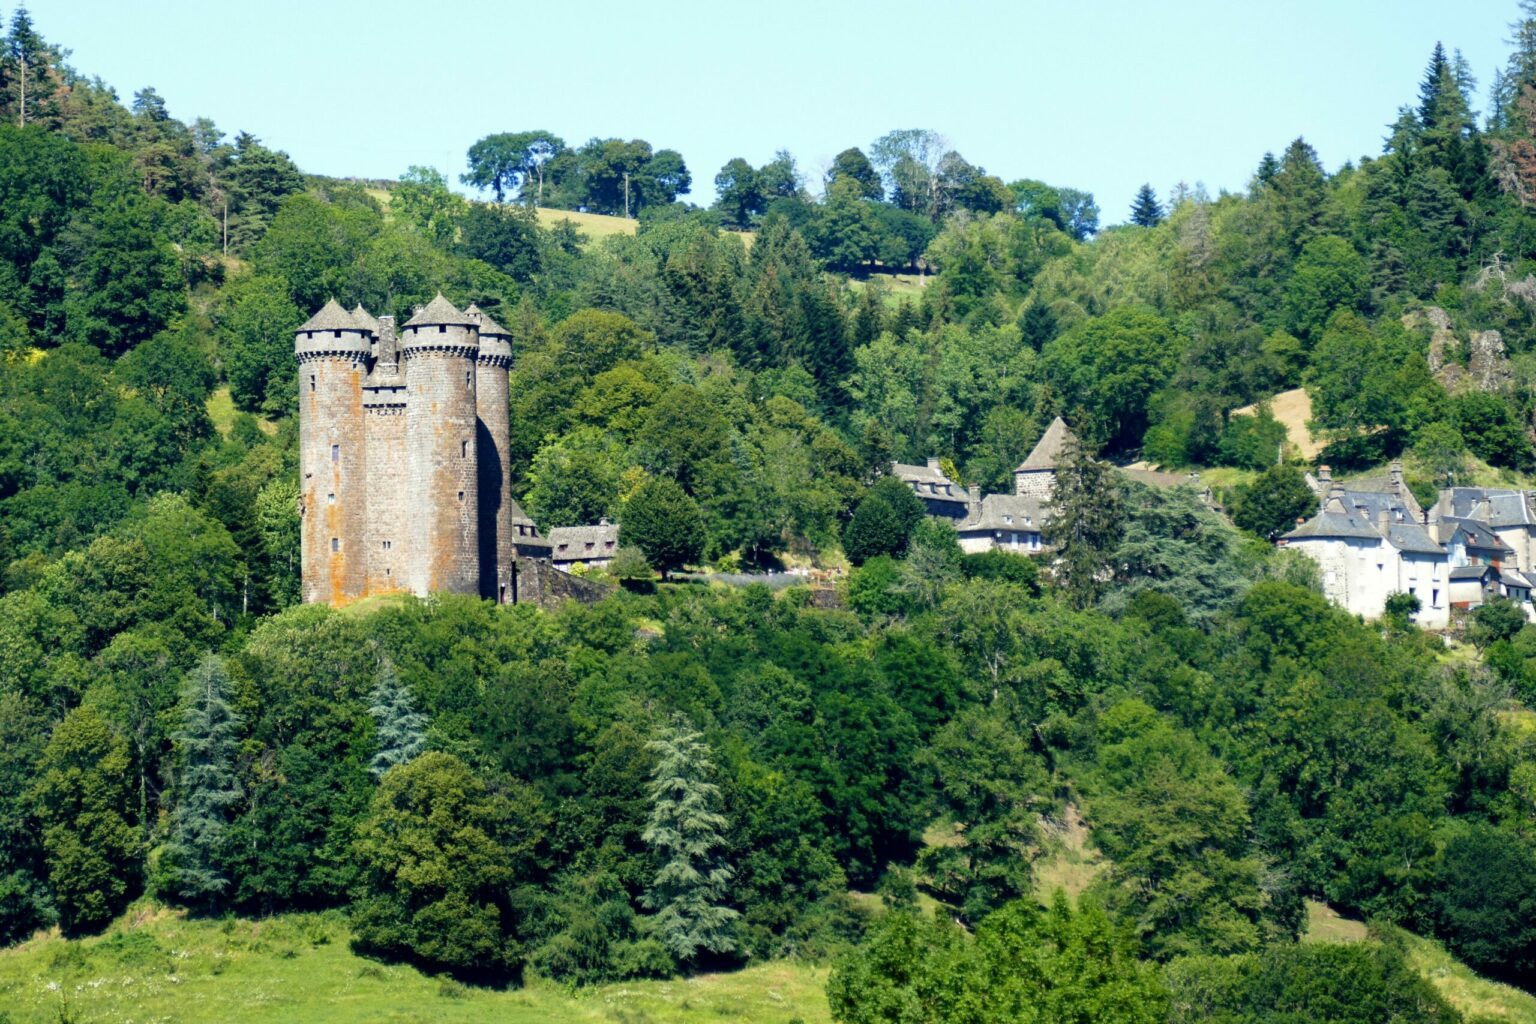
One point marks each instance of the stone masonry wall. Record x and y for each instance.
(497, 541)
(441, 442)
(388, 538)
(332, 466)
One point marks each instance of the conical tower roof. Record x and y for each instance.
(1048, 449)
(366, 320)
(487, 325)
(439, 311)
(331, 317)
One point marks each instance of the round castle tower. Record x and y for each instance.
(494, 434)
(438, 349)
(332, 348)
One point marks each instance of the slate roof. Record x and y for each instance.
(1478, 534)
(331, 317)
(930, 483)
(1510, 578)
(569, 543)
(366, 320)
(1047, 450)
(919, 474)
(1495, 506)
(1334, 522)
(1413, 538)
(439, 311)
(1372, 503)
(1471, 572)
(487, 325)
(1006, 512)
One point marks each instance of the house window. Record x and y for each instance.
(335, 543)
(335, 453)
(1434, 598)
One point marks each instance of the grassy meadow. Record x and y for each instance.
(154, 966)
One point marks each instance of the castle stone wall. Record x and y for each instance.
(388, 536)
(442, 446)
(332, 464)
(497, 535)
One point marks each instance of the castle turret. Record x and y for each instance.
(494, 434)
(438, 351)
(332, 349)
(388, 536)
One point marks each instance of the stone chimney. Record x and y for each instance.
(389, 347)
(933, 464)
(1395, 474)
(973, 502)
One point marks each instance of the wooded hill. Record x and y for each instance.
(685, 778)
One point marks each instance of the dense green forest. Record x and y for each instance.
(687, 777)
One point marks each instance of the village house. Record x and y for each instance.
(572, 546)
(1369, 546)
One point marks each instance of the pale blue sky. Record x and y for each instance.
(1096, 94)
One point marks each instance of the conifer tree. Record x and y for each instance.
(1146, 211)
(401, 729)
(206, 792)
(686, 832)
(1085, 522)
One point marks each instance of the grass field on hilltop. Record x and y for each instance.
(154, 965)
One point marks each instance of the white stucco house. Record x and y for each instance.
(1369, 548)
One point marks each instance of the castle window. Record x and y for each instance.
(463, 449)
(330, 499)
(442, 328)
(461, 495)
(469, 379)
(386, 572)
(335, 543)
(335, 453)
(311, 382)
(336, 333)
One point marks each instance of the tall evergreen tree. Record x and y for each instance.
(1146, 211)
(400, 729)
(1085, 522)
(206, 792)
(686, 832)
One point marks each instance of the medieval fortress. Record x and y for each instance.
(403, 461)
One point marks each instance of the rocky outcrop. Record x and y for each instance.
(1480, 365)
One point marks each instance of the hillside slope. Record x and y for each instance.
(155, 965)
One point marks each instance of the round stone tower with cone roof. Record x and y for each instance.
(332, 348)
(438, 350)
(494, 436)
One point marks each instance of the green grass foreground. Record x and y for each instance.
(155, 965)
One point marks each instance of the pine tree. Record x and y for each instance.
(686, 832)
(1038, 325)
(400, 729)
(1146, 211)
(206, 790)
(1084, 524)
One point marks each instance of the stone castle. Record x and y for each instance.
(403, 458)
